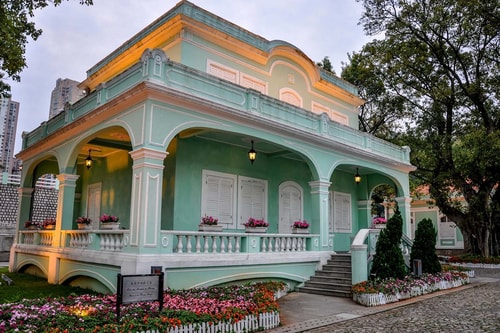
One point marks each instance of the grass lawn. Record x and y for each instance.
(30, 287)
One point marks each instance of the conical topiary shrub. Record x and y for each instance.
(424, 247)
(388, 260)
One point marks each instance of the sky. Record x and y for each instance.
(76, 37)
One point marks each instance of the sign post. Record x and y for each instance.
(139, 288)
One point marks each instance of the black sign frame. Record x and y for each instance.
(138, 288)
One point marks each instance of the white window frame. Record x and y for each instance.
(256, 212)
(339, 117)
(228, 222)
(286, 221)
(341, 217)
(249, 81)
(286, 94)
(223, 72)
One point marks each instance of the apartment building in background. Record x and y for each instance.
(66, 91)
(9, 113)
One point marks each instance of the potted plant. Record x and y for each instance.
(109, 221)
(31, 225)
(256, 225)
(49, 223)
(379, 222)
(209, 223)
(300, 227)
(83, 222)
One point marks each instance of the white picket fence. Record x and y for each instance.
(250, 323)
(381, 298)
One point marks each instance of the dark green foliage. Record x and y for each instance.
(431, 82)
(29, 286)
(388, 261)
(15, 29)
(424, 247)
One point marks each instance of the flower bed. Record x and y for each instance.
(379, 292)
(246, 308)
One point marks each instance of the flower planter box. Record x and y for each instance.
(300, 230)
(256, 229)
(110, 226)
(50, 227)
(210, 228)
(83, 226)
(375, 299)
(379, 226)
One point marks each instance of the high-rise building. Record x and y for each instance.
(66, 91)
(9, 112)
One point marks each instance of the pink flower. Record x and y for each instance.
(300, 224)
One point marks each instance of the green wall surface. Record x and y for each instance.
(191, 160)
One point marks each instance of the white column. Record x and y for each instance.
(319, 202)
(404, 204)
(145, 210)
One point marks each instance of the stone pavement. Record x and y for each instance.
(471, 308)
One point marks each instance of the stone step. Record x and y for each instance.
(334, 278)
(345, 279)
(327, 285)
(333, 293)
(335, 273)
(335, 268)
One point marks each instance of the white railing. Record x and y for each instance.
(188, 242)
(250, 323)
(15, 179)
(179, 242)
(10, 179)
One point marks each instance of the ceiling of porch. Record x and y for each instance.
(111, 140)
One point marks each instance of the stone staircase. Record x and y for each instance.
(334, 278)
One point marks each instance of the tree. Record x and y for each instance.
(388, 260)
(442, 59)
(326, 64)
(15, 30)
(424, 247)
(381, 110)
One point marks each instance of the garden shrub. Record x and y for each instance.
(424, 247)
(388, 261)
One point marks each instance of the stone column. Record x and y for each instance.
(145, 210)
(404, 204)
(24, 206)
(319, 202)
(64, 220)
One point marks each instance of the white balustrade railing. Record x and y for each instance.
(111, 240)
(222, 242)
(28, 237)
(46, 237)
(182, 242)
(79, 239)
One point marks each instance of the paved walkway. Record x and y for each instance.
(471, 308)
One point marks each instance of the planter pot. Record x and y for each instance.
(50, 227)
(256, 229)
(110, 226)
(300, 230)
(379, 226)
(210, 228)
(83, 226)
(32, 227)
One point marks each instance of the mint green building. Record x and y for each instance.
(161, 139)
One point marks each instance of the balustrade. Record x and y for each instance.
(183, 242)
(46, 238)
(222, 242)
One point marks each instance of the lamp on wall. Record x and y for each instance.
(357, 177)
(89, 160)
(252, 154)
